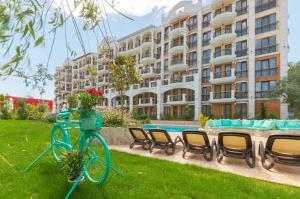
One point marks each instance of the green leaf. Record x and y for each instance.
(30, 26)
(40, 40)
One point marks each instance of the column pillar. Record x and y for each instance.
(159, 106)
(251, 62)
(131, 99)
(284, 49)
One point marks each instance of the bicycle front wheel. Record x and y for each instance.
(99, 157)
(60, 142)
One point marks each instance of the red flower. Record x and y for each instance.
(69, 154)
(95, 92)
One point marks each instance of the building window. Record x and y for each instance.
(166, 64)
(264, 89)
(265, 68)
(192, 41)
(205, 75)
(241, 7)
(241, 110)
(192, 23)
(205, 93)
(206, 38)
(241, 49)
(227, 111)
(192, 58)
(262, 5)
(206, 20)
(241, 69)
(241, 28)
(218, 52)
(265, 24)
(206, 56)
(206, 110)
(241, 90)
(266, 45)
(228, 49)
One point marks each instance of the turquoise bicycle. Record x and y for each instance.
(97, 159)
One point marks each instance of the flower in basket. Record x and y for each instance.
(89, 100)
(89, 118)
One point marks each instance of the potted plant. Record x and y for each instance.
(72, 164)
(89, 118)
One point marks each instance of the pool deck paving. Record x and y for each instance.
(282, 174)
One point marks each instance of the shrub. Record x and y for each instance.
(72, 101)
(5, 114)
(112, 118)
(189, 113)
(272, 116)
(263, 112)
(22, 111)
(51, 118)
(72, 164)
(203, 120)
(143, 118)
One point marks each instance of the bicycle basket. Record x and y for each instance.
(90, 121)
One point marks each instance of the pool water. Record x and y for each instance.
(169, 128)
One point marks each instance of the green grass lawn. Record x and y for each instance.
(22, 141)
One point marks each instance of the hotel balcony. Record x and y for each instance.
(149, 72)
(177, 65)
(184, 79)
(147, 102)
(219, 3)
(223, 77)
(222, 97)
(179, 99)
(176, 48)
(147, 43)
(225, 38)
(222, 57)
(105, 58)
(177, 32)
(134, 49)
(117, 103)
(147, 58)
(146, 86)
(223, 19)
(102, 70)
(104, 81)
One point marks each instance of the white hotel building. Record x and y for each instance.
(222, 59)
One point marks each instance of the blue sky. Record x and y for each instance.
(150, 13)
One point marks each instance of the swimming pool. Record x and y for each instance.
(171, 128)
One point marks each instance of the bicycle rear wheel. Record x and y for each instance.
(99, 156)
(61, 142)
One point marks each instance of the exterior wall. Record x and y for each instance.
(166, 64)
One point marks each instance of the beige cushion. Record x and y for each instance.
(195, 139)
(138, 134)
(286, 146)
(234, 142)
(160, 137)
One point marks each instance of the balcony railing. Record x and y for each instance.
(241, 94)
(263, 94)
(241, 32)
(205, 97)
(265, 6)
(176, 61)
(222, 74)
(266, 50)
(241, 53)
(205, 79)
(241, 11)
(222, 95)
(223, 53)
(205, 24)
(266, 28)
(177, 43)
(205, 42)
(266, 72)
(147, 40)
(146, 55)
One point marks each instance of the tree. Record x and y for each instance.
(24, 24)
(124, 75)
(289, 87)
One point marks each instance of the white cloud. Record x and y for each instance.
(136, 8)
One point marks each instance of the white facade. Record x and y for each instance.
(218, 59)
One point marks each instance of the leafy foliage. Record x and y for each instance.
(22, 111)
(112, 118)
(203, 120)
(88, 100)
(72, 164)
(72, 100)
(124, 75)
(289, 87)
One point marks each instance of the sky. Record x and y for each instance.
(144, 13)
